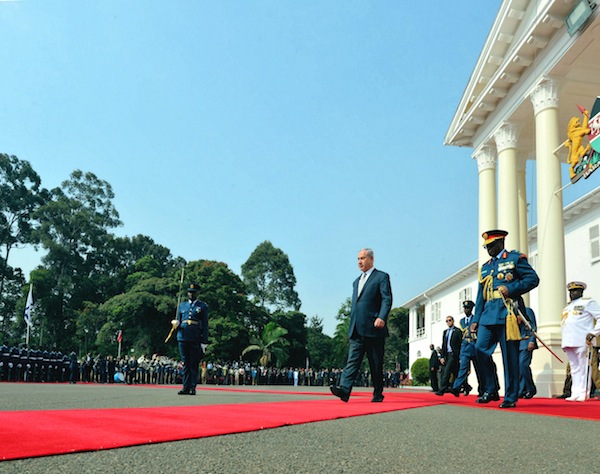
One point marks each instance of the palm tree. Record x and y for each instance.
(271, 343)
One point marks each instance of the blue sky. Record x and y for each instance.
(316, 125)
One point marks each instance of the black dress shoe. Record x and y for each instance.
(192, 391)
(564, 395)
(486, 398)
(377, 398)
(338, 392)
(507, 405)
(440, 393)
(495, 397)
(528, 395)
(185, 391)
(456, 392)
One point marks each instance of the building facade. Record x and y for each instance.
(538, 64)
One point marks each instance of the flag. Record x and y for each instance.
(119, 336)
(29, 306)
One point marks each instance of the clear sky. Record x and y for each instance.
(316, 125)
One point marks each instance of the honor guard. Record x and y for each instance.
(192, 337)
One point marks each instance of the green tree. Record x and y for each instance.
(295, 324)
(271, 344)
(319, 345)
(269, 277)
(340, 337)
(73, 228)
(142, 314)
(21, 194)
(396, 347)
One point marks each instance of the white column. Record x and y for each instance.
(486, 165)
(508, 192)
(522, 203)
(550, 234)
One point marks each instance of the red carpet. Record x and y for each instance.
(41, 433)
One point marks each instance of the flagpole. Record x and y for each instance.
(28, 313)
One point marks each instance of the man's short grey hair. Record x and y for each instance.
(369, 252)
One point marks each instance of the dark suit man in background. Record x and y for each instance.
(371, 304)
(451, 342)
(434, 366)
(192, 337)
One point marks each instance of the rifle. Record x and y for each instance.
(526, 322)
(174, 326)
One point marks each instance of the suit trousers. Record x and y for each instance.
(190, 356)
(374, 348)
(449, 370)
(488, 338)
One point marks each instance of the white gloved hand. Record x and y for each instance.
(203, 347)
(175, 323)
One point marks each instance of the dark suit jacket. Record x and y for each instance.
(455, 342)
(375, 301)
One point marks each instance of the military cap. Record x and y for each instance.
(468, 304)
(193, 288)
(576, 285)
(492, 235)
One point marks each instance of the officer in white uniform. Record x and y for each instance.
(580, 324)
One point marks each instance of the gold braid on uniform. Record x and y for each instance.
(512, 326)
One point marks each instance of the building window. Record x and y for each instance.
(436, 312)
(464, 295)
(595, 242)
(420, 321)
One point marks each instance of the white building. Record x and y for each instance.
(539, 62)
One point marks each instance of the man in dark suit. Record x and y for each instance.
(434, 366)
(451, 342)
(371, 304)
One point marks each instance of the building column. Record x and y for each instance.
(522, 202)
(508, 192)
(486, 166)
(551, 247)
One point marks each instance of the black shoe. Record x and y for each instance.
(507, 405)
(487, 398)
(564, 395)
(192, 391)
(456, 392)
(377, 398)
(440, 393)
(528, 395)
(338, 392)
(185, 391)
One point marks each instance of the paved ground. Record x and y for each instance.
(440, 439)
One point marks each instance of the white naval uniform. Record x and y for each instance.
(579, 318)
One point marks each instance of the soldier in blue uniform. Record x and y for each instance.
(527, 345)
(502, 280)
(192, 337)
(467, 352)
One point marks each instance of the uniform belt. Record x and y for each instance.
(496, 295)
(190, 321)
